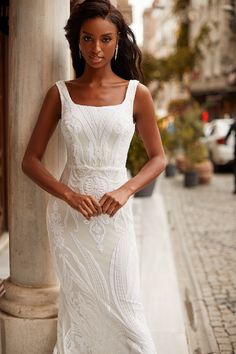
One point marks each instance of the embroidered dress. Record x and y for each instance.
(96, 260)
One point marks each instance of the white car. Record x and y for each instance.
(214, 139)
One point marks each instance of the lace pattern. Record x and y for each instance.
(96, 260)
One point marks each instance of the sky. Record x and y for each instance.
(137, 26)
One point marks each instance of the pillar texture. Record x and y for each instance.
(39, 56)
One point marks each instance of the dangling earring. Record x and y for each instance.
(80, 54)
(116, 51)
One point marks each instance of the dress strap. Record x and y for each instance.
(62, 91)
(131, 90)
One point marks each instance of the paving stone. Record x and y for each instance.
(231, 330)
(224, 347)
(204, 218)
(223, 340)
(216, 323)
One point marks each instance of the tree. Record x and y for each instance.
(185, 56)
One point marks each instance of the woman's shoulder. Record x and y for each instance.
(142, 91)
(53, 90)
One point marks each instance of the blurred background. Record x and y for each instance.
(189, 65)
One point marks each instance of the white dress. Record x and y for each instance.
(96, 260)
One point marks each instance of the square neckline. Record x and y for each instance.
(93, 106)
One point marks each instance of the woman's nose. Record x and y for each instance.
(97, 47)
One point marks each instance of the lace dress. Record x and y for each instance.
(96, 260)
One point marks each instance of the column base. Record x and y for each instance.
(31, 336)
(31, 303)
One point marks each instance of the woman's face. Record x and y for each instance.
(98, 39)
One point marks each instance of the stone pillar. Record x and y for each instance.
(39, 56)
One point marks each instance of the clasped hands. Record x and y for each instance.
(89, 206)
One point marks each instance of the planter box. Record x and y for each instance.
(204, 170)
(146, 191)
(181, 163)
(191, 179)
(170, 170)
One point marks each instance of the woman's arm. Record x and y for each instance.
(147, 128)
(46, 124)
(32, 166)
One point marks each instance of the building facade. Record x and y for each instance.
(213, 81)
(160, 33)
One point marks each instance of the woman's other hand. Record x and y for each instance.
(111, 202)
(87, 205)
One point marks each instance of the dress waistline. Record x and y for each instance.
(96, 168)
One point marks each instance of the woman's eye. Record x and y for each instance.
(106, 39)
(87, 38)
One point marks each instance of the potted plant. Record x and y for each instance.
(189, 129)
(137, 157)
(170, 144)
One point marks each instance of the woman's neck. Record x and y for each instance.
(97, 76)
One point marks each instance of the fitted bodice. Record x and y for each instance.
(97, 136)
(97, 139)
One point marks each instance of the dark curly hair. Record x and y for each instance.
(128, 62)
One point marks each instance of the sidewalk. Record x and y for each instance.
(161, 293)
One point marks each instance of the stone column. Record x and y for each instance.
(39, 56)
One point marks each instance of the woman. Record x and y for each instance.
(89, 214)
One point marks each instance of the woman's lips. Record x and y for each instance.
(96, 59)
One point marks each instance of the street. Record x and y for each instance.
(203, 231)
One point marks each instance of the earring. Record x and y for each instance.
(80, 54)
(116, 51)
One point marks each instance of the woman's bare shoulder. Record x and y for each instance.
(143, 102)
(52, 99)
(143, 91)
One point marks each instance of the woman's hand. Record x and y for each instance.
(2, 289)
(111, 202)
(87, 205)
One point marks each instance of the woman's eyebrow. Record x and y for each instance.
(104, 34)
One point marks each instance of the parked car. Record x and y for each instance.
(214, 139)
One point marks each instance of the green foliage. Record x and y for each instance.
(175, 65)
(189, 129)
(154, 69)
(179, 105)
(137, 155)
(181, 61)
(196, 152)
(168, 138)
(180, 5)
(185, 56)
(202, 36)
(189, 126)
(183, 36)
